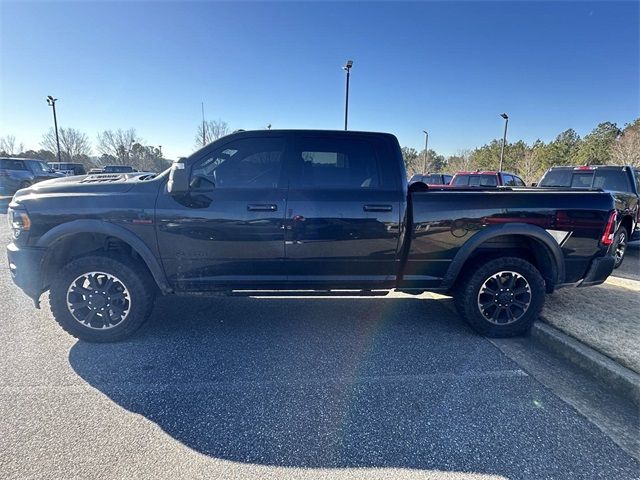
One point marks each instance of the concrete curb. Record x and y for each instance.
(622, 380)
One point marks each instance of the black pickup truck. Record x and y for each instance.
(622, 181)
(297, 210)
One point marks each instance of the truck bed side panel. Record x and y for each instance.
(444, 221)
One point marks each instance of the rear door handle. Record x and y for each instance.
(262, 207)
(377, 208)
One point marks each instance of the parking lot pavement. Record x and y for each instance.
(283, 388)
(630, 267)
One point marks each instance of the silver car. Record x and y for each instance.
(17, 173)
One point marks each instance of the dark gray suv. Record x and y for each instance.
(17, 173)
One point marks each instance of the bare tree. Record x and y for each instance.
(531, 167)
(116, 147)
(462, 161)
(8, 146)
(213, 130)
(74, 145)
(626, 148)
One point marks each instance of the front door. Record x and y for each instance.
(342, 214)
(227, 232)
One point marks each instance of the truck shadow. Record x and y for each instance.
(322, 383)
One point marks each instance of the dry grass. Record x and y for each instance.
(606, 317)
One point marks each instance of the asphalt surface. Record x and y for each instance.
(630, 267)
(288, 388)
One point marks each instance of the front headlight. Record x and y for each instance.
(19, 221)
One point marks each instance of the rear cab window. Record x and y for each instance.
(475, 180)
(606, 179)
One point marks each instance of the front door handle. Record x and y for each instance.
(377, 208)
(262, 207)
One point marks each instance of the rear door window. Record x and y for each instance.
(613, 180)
(8, 164)
(338, 163)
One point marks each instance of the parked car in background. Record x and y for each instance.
(68, 168)
(118, 169)
(623, 182)
(431, 178)
(17, 173)
(486, 179)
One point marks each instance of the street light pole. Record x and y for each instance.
(52, 103)
(204, 129)
(347, 67)
(426, 150)
(504, 137)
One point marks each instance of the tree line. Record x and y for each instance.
(605, 144)
(112, 147)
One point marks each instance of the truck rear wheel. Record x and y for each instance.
(502, 297)
(101, 299)
(620, 245)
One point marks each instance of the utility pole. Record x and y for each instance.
(204, 136)
(347, 67)
(426, 150)
(504, 138)
(52, 103)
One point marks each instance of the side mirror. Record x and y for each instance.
(178, 178)
(534, 184)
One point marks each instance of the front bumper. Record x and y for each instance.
(25, 265)
(599, 270)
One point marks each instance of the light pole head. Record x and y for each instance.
(505, 116)
(348, 65)
(425, 132)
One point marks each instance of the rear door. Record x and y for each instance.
(343, 212)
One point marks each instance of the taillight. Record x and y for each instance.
(584, 167)
(610, 229)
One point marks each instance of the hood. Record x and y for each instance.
(91, 184)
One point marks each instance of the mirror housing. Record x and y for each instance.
(178, 178)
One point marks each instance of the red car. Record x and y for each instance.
(486, 179)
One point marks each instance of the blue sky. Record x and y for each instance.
(450, 68)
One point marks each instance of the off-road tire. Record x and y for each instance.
(466, 296)
(133, 275)
(621, 236)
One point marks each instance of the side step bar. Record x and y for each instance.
(309, 293)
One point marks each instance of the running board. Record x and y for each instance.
(309, 293)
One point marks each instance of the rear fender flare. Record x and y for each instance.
(531, 231)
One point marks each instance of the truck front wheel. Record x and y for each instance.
(101, 299)
(502, 297)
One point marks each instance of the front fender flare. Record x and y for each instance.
(113, 230)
